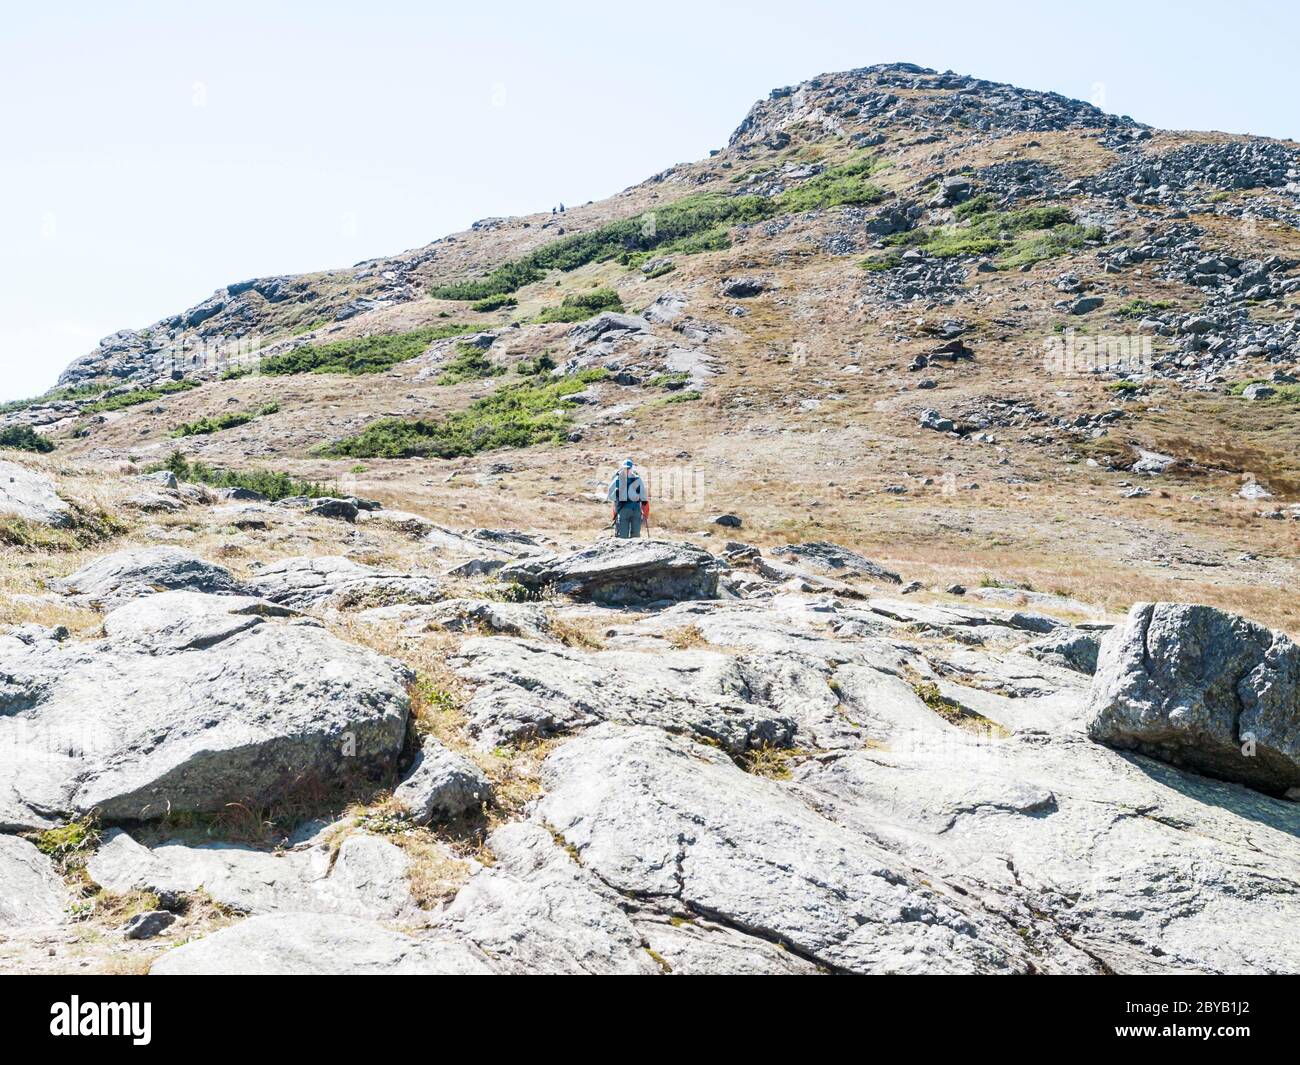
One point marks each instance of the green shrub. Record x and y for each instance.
(360, 355)
(25, 438)
(273, 484)
(1139, 308)
(138, 396)
(1017, 238)
(495, 303)
(534, 367)
(981, 204)
(689, 396)
(224, 421)
(470, 364)
(881, 262)
(516, 415)
(581, 306)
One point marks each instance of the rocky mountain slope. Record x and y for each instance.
(315, 654)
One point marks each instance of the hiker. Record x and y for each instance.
(629, 502)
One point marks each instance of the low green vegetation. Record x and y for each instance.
(1014, 238)
(25, 438)
(688, 396)
(495, 303)
(669, 381)
(581, 306)
(1126, 387)
(887, 261)
(689, 225)
(659, 270)
(1282, 393)
(55, 395)
(139, 395)
(1138, 308)
(981, 204)
(535, 367)
(358, 355)
(274, 484)
(836, 186)
(224, 421)
(516, 415)
(470, 364)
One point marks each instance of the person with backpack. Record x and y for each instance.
(629, 501)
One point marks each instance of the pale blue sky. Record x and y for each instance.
(154, 152)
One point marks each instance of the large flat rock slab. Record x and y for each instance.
(339, 582)
(660, 817)
(194, 704)
(622, 572)
(112, 580)
(366, 876)
(311, 944)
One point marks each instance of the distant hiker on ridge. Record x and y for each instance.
(629, 502)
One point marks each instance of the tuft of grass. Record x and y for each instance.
(69, 843)
(953, 712)
(360, 355)
(770, 761)
(25, 438)
(686, 637)
(583, 635)
(516, 415)
(229, 420)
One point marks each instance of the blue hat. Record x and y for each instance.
(627, 463)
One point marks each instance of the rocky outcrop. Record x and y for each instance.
(528, 689)
(623, 572)
(296, 944)
(31, 496)
(465, 615)
(339, 582)
(660, 817)
(441, 785)
(1204, 689)
(366, 876)
(114, 579)
(189, 703)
